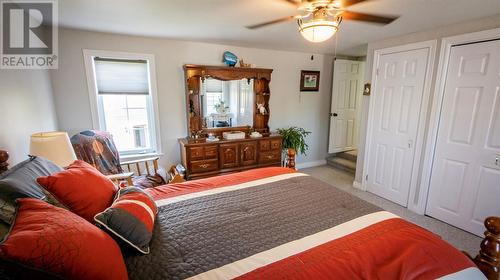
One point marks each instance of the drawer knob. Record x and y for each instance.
(270, 157)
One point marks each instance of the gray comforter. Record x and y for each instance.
(200, 234)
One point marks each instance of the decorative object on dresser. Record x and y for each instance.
(244, 95)
(309, 80)
(229, 58)
(54, 146)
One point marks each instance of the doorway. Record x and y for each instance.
(345, 114)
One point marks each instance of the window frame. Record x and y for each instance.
(96, 110)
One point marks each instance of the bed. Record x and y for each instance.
(275, 223)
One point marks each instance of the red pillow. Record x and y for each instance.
(81, 188)
(54, 240)
(131, 218)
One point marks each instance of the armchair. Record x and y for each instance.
(98, 149)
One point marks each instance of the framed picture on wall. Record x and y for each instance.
(309, 80)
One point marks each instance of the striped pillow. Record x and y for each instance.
(130, 218)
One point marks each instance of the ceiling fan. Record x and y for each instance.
(320, 19)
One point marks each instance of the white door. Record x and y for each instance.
(394, 118)
(465, 180)
(346, 97)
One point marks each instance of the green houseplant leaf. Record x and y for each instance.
(295, 138)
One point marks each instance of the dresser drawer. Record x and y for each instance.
(211, 152)
(204, 166)
(199, 153)
(264, 145)
(195, 153)
(276, 144)
(270, 157)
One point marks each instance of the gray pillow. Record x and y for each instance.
(20, 181)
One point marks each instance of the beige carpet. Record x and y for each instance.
(460, 239)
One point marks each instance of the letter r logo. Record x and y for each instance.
(27, 27)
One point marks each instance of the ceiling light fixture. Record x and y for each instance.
(319, 28)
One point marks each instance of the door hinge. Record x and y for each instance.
(366, 177)
(377, 72)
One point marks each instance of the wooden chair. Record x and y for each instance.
(98, 149)
(130, 166)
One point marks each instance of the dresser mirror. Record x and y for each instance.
(227, 103)
(227, 99)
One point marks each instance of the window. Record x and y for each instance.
(213, 89)
(121, 91)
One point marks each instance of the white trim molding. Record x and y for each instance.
(357, 185)
(435, 114)
(97, 120)
(310, 164)
(419, 144)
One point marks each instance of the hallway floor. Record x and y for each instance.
(460, 239)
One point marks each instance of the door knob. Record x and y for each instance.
(333, 114)
(410, 144)
(497, 159)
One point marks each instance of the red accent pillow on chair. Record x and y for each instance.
(81, 188)
(53, 240)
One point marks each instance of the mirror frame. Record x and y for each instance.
(195, 74)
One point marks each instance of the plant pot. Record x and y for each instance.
(290, 163)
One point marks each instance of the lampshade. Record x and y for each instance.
(54, 146)
(317, 31)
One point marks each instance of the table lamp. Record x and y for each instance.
(54, 146)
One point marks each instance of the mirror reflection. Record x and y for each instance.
(227, 103)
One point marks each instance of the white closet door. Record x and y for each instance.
(346, 97)
(465, 181)
(394, 119)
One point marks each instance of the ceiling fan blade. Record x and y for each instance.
(294, 2)
(347, 3)
(255, 26)
(368, 17)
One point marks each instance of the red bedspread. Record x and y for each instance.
(391, 249)
(173, 190)
(377, 248)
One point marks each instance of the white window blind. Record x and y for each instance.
(213, 85)
(121, 76)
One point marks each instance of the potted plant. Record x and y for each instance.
(294, 140)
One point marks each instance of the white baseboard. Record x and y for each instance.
(310, 164)
(357, 185)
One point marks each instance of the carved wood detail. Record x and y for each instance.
(488, 259)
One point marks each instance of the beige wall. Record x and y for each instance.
(434, 34)
(288, 107)
(26, 106)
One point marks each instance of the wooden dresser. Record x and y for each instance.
(205, 159)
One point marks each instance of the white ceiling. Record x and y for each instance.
(223, 21)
